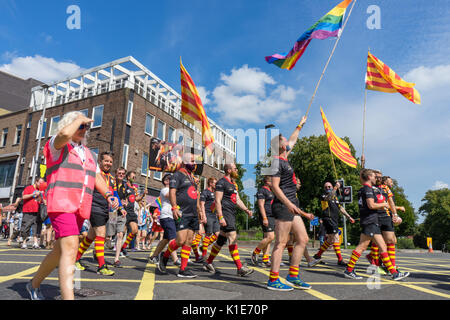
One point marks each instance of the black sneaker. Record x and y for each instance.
(186, 274)
(400, 275)
(199, 260)
(117, 264)
(94, 256)
(341, 263)
(351, 275)
(125, 252)
(162, 263)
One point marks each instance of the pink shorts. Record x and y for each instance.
(65, 224)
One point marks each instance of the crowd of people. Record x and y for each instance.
(82, 204)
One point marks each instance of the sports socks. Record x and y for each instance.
(100, 250)
(214, 252)
(375, 254)
(293, 271)
(205, 245)
(387, 262)
(130, 237)
(337, 250)
(273, 276)
(265, 258)
(351, 264)
(235, 255)
(391, 252)
(84, 245)
(323, 248)
(171, 248)
(185, 252)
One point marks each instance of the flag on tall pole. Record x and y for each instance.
(192, 109)
(380, 77)
(338, 146)
(328, 26)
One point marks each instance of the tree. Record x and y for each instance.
(437, 211)
(241, 216)
(408, 227)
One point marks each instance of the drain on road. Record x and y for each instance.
(88, 293)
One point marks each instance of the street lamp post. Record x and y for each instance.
(269, 126)
(40, 127)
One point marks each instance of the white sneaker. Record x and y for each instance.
(24, 246)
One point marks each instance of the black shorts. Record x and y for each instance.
(99, 217)
(230, 219)
(331, 226)
(281, 212)
(132, 217)
(187, 222)
(212, 224)
(270, 227)
(169, 227)
(370, 229)
(386, 223)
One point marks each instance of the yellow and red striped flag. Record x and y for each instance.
(192, 109)
(380, 77)
(338, 146)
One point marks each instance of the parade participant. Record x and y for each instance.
(16, 218)
(212, 227)
(132, 195)
(265, 199)
(157, 229)
(72, 174)
(31, 220)
(143, 218)
(227, 201)
(183, 197)
(331, 208)
(166, 221)
(99, 218)
(388, 181)
(287, 213)
(370, 200)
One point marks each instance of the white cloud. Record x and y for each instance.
(247, 96)
(440, 185)
(204, 95)
(41, 68)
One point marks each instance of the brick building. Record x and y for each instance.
(129, 106)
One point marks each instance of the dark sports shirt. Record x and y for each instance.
(288, 180)
(387, 193)
(127, 192)
(366, 215)
(97, 199)
(207, 196)
(186, 192)
(266, 194)
(229, 198)
(330, 206)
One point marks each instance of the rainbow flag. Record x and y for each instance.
(192, 109)
(380, 77)
(338, 146)
(328, 26)
(159, 203)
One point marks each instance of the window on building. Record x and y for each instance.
(189, 142)
(157, 175)
(172, 134)
(7, 170)
(85, 112)
(43, 128)
(18, 134)
(95, 150)
(161, 130)
(129, 112)
(149, 124)
(53, 126)
(97, 116)
(144, 165)
(4, 138)
(125, 156)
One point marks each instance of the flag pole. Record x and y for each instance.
(364, 122)
(329, 59)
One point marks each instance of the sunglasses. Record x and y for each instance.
(84, 126)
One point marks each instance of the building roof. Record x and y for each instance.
(15, 92)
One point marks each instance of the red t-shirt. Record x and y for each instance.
(30, 205)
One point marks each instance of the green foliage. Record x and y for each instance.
(437, 221)
(241, 216)
(405, 243)
(409, 217)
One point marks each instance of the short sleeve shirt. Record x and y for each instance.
(330, 206)
(208, 197)
(266, 194)
(229, 199)
(128, 192)
(186, 193)
(166, 210)
(367, 216)
(288, 180)
(387, 193)
(30, 205)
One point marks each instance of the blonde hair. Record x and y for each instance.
(67, 119)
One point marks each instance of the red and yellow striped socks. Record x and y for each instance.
(273, 276)
(206, 243)
(171, 248)
(130, 237)
(387, 262)
(194, 245)
(100, 250)
(214, 252)
(84, 245)
(257, 251)
(337, 250)
(391, 253)
(351, 264)
(323, 248)
(265, 258)
(185, 252)
(290, 249)
(375, 254)
(235, 255)
(293, 271)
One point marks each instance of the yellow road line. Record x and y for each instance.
(147, 286)
(436, 293)
(19, 274)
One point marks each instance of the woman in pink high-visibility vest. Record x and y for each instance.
(72, 175)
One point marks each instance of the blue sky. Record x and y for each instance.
(223, 45)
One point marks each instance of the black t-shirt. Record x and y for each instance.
(207, 196)
(366, 215)
(384, 191)
(266, 194)
(229, 198)
(128, 192)
(97, 199)
(186, 193)
(288, 180)
(330, 206)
